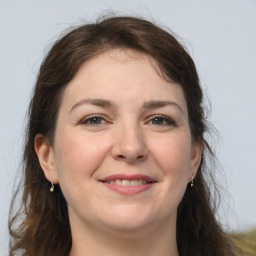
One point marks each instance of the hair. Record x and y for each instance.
(40, 226)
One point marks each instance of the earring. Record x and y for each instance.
(52, 187)
(192, 182)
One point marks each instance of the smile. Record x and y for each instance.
(128, 184)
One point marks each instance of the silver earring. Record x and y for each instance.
(192, 182)
(52, 187)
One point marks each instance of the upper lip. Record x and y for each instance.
(127, 177)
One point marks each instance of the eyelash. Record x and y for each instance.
(167, 121)
(87, 119)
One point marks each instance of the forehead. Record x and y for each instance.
(124, 76)
(115, 61)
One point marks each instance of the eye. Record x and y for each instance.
(159, 120)
(93, 120)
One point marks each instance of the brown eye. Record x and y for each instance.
(93, 120)
(158, 121)
(161, 121)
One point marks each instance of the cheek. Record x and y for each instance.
(77, 156)
(173, 155)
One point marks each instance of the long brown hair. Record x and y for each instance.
(41, 226)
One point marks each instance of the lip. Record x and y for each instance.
(128, 190)
(127, 177)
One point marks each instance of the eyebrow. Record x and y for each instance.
(96, 102)
(152, 104)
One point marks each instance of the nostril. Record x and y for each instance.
(130, 158)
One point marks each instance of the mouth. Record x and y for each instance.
(124, 182)
(128, 184)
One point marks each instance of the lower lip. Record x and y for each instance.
(129, 190)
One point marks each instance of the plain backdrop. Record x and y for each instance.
(221, 38)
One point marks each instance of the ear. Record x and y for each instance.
(45, 156)
(195, 160)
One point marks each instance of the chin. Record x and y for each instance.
(128, 218)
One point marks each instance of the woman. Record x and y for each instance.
(114, 159)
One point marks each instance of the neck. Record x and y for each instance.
(159, 240)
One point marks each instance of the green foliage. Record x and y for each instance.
(245, 242)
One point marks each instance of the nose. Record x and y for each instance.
(130, 144)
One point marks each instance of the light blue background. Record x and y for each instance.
(221, 37)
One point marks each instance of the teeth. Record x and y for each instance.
(118, 182)
(134, 182)
(127, 182)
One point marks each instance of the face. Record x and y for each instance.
(123, 152)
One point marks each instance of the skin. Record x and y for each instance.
(125, 137)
